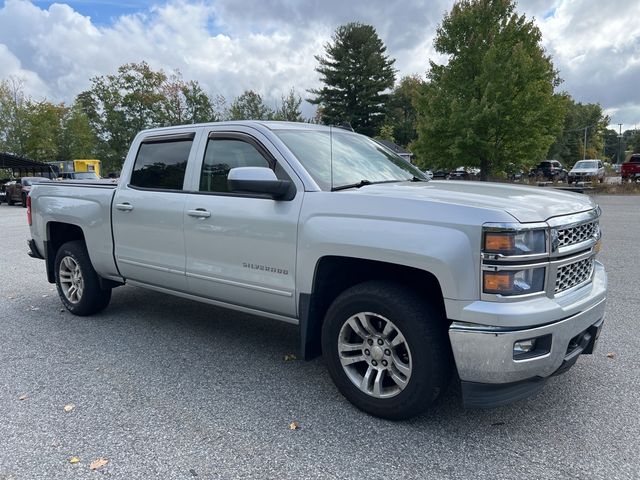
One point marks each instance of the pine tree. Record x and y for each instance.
(356, 74)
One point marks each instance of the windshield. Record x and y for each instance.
(86, 176)
(356, 158)
(586, 164)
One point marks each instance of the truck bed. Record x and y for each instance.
(81, 203)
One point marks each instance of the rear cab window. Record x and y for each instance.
(161, 162)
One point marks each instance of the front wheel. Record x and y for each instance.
(77, 281)
(386, 349)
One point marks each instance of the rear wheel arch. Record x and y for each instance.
(59, 233)
(334, 274)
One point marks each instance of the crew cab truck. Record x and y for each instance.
(402, 284)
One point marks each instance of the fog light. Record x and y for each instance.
(524, 346)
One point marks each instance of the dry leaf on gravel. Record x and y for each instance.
(294, 426)
(98, 463)
(74, 460)
(22, 397)
(289, 356)
(611, 355)
(69, 407)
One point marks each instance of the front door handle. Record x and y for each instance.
(199, 213)
(125, 207)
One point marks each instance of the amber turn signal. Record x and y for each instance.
(498, 282)
(499, 242)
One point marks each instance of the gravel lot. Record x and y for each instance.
(168, 388)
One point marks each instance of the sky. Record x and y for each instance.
(269, 45)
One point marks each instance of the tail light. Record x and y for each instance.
(29, 209)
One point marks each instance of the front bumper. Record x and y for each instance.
(484, 352)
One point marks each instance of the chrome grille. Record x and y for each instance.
(577, 234)
(573, 274)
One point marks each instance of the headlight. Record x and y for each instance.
(513, 282)
(524, 242)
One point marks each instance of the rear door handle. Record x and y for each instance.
(125, 207)
(199, 213)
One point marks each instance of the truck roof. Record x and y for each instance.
(270, 124)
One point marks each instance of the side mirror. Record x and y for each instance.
(259, 180)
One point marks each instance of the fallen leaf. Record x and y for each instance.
(611, 355)
(98, 463)
(294, 426)
(289, 356)
(74, 460)
(69, 407)
(22, 397)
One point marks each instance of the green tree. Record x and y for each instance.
(13, 111)
(401, 109)
(356, 74)
(493, 103)
(77, 138)
(137, 97)
(289, 109)
(44, 128)
(249, 106)
(386, 133)
(569, 146)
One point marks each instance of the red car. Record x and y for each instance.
(17, 191)
(630, 170)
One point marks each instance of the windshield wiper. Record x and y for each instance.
(361, 183)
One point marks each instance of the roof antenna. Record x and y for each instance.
(331, 154)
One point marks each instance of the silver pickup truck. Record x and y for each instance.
(402, 284)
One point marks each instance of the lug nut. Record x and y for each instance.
(374, 363)
(366, 351)
(370, 342)
(384, 363)
(380, 341)
(387, 352)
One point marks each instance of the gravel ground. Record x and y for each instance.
(168, 388)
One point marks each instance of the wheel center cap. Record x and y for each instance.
(377, 353)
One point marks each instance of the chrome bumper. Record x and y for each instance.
(484, 353)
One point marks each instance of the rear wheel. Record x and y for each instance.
(386, 349)
(24, 200)
(10, 200)
(77, 281)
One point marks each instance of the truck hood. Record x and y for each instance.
(584, 170)
(525, 204)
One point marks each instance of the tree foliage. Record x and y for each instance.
(569, 146)
(401, 112)
(289, 108)
(493, 103)
(356, 74)
(250, 106)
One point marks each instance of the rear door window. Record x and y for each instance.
(161, 164)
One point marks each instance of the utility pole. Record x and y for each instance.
(584, 145)
(620, 144)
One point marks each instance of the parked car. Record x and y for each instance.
(551, 170)
(464, 173)
(630, 170)
(440, 174)
(17, 191)
(402, 284)
(428, 174)
(587, 171)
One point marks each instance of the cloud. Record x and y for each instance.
(269, 45)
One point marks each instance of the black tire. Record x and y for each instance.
(24, 200)
(425, 332)
(93, 298)
(9, 200)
